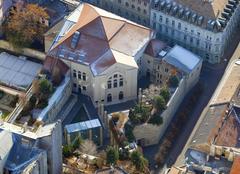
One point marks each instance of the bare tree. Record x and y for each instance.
(88, 147)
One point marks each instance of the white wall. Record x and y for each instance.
(96, 86)
(218, 41)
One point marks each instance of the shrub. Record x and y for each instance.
(159, 103)
(129, 132)
(33, 100)
(173, 81)
(112, 155)
(164, 92)
(45, 87)
(138, 161)
(156, 119)
(139, 114)
(67, 151)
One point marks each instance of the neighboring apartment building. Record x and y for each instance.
(103, 52)
(160, 62)
(205, 27)
(134, 10)
(28, 151)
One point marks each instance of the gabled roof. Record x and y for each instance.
(100, 34)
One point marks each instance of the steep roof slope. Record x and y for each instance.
(100, 33)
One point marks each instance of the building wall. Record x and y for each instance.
(96, 87)
(159, 70)
(53, 145)
(135, 10)
(151, 134)
(52, 114)
(209, 45)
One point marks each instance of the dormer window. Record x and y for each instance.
(75, 39)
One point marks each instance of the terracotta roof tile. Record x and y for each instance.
(154, 47)
(236, 166)
(50, 62)
(100, 32)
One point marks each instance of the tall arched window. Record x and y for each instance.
(109, 97)
(109, 83)
(121, 82)
(115, 81)
(120, 96)
(115, 84)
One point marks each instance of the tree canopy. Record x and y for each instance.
(159, 103)
(173, 81)
(165, 93)
(139, 161)
(112, 155)
(25, 25)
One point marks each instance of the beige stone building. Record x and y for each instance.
(103, 52)
(204, 27)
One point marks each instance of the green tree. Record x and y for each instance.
(112, 155)
(173, 81)
(45, 86)
(139, 161)
(67, 150)
(129, 132)
(165, 93)
(25, 24)
(159, 103)
(156, 119)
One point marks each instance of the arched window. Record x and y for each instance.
(121, 82)
(120, 96)
(109, 97)
(109, 83)
(115, 83)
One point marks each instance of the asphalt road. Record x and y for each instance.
(210, 78)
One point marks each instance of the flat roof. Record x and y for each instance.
(17, 72)
(182, 58)
(85, 125)
(228, 86)
(209, 122)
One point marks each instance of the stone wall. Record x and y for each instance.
(149, 134)
(25, 51)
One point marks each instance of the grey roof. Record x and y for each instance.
(17, 152)
(6, 143)
(209, 122)
(17, 72)
(85, 125)
(182, 59)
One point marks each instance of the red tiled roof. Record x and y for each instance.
(50, 62)
(236, 166)
(154, 47)
(100, 32)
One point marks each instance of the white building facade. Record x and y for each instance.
(103, 52)
(205, 28)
